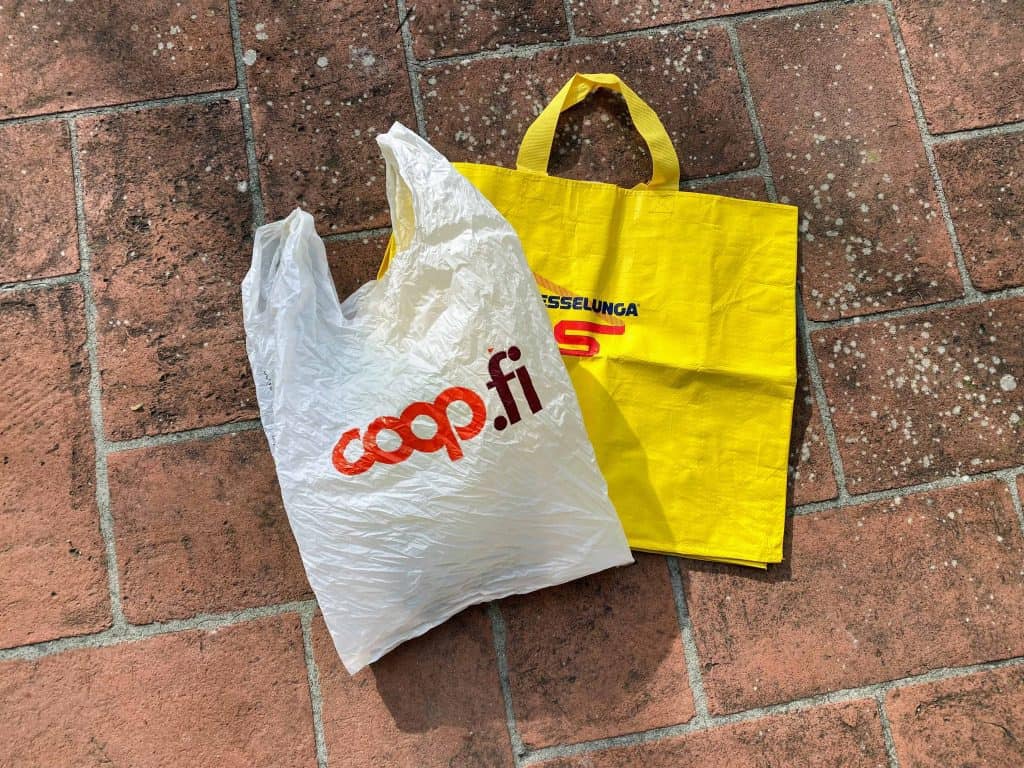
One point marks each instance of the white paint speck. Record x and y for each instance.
(322, 62)
(243, 186)
(1007, 383)
(250, 57)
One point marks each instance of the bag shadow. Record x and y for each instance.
(776, 573)
(582, 656)
(803, 412)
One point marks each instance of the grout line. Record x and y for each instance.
(979, 297)
(975, 133)
(173, 438)
(500, 633)
(890, 745)
(362, 234)
(570, 19)
(129, 106)
(240, 91)
(522, 51)
(212, 621)
(412, 66)
(813, 372)
(106, 520)
(624, 740)
(842, 696)
(755, 123)
(700, 701)
(695, 185)
(898, 493)
(1011, 480)
(131, 633)
(922, 127)
(74, 278)
(313, 676)
(40, 282)
(242, 85)
(817, 387)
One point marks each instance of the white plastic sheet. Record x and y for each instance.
(428, 442)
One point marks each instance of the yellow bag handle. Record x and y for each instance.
(535, 151)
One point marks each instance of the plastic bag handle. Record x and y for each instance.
(535, 151)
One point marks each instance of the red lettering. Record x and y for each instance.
(342, 464)
(571, 333)
(400, 454)
(446, 435)
(477, 410)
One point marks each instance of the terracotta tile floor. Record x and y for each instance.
(153, 610)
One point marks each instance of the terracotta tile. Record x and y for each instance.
(750, 188)
(844, 146)
(594, 17)
(926, 396)
(433, 701)
(200, 528)
(168, 216)
(355, 262)
(849, 735)
(478, 111)
(845, 609)
(984, 184)
(230, 697)
(63, 56)
(597, 657)
(448, 27)
(966, 60)
(38, 234)
(53, 578)
(964, 721)
(324, 79)
(810, 465)
(812, 477)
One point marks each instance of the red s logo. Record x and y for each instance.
(572, 332)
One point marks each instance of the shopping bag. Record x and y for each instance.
(428, 442)
(675, 314)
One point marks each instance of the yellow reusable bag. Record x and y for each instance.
(675, 314)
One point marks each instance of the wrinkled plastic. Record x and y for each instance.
(473, 498)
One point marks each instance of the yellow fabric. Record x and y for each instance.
(686, 370)
(535, 151)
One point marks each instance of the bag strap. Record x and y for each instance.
(535, 151)
(414, 170)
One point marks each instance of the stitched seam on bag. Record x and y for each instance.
(651, 546)
(667, 193)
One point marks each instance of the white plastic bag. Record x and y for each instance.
(428, 442)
